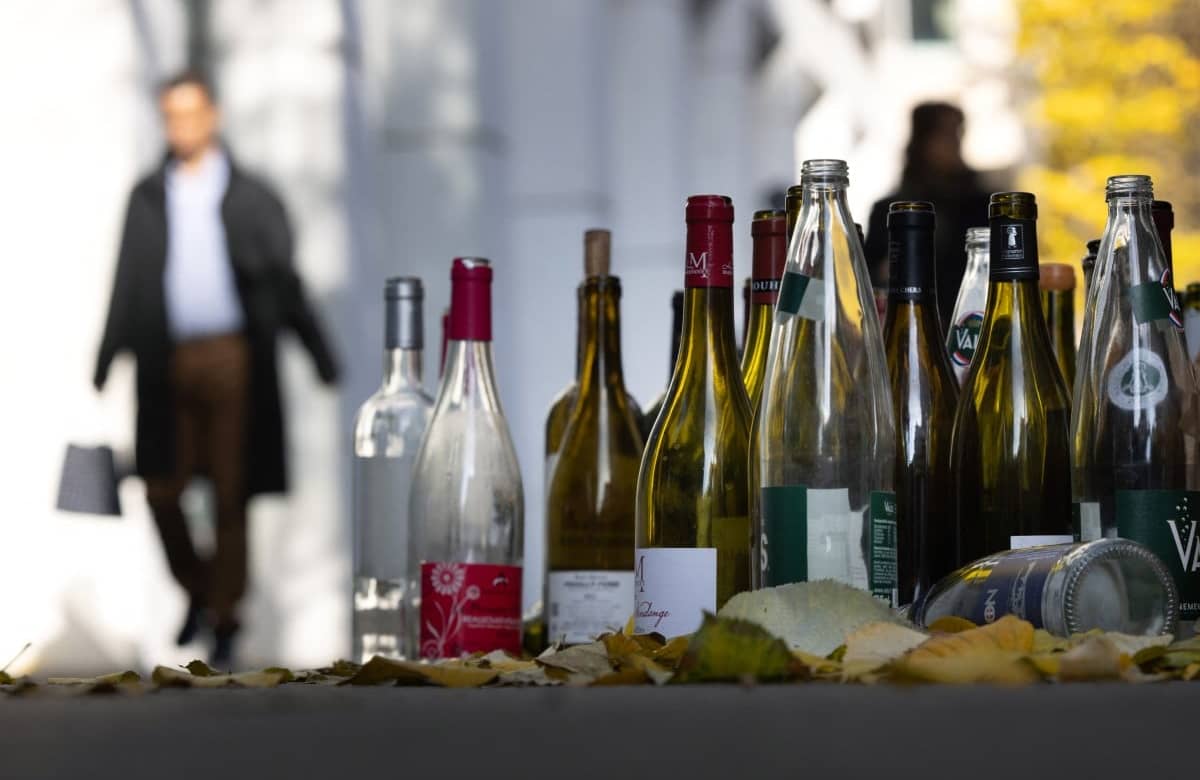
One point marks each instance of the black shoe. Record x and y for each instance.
(222, 654)
(191, 623)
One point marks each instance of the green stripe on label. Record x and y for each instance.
(1168, 522)
(1151, 302)
(791, 293)
(785, 534)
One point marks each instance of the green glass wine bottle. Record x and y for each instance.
(1010, 452)
(823, 446)
(768, 231)
(1057, 283)
(589, 512)
(693, 530)
(1134, 430)
(924, 398)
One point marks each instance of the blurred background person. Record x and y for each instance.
(934, 170)
(204, 284)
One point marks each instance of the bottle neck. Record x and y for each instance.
(1014, 250)
(470, 376)
(581, 331)
(911, 266)
(402, 370)
(708, 337)
(600, 340)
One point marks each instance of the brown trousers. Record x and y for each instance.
(210, 384)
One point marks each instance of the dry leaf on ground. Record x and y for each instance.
(725, 649)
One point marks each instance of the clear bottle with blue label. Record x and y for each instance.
(1136, 406)
(1110, 584)
(963, 335)
(823, 444)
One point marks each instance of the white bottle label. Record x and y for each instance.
(673, 587)
(585, 604)
(1021, 542)
(1089, 521)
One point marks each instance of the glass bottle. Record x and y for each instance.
(924, 397)
(768, 230)
(1057, 284)
(823, 445)
(387, 434)
(1134, 429)
(693, 529)
(1088, 264)
(967, 318)
(589, 514)
(1191, 320)
(1111, 585)
(467, 504)
(746, 284)
(655, 407)
(1011, 450)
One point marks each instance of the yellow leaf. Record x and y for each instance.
(1191, 672)
(1045, 642)
(166, 677)
(452, 674)
(201, 669)
(578, 664)
(994, 653)
(116, 678)
(876, 644)
(1098, 658)
(730, 649)
(630, 651)
(950, 625)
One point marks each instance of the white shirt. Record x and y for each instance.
(201, 292)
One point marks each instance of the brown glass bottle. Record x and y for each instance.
(1057, 284)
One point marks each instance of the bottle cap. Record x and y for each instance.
(403, 321)
(471, 299)
(597, 248)
(709, 261)
(769, 231)
(709, 208)
(1058, 277)
(769, 222)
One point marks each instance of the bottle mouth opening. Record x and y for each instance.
(1094, 593)
(1129, 186)
(403, 288)
(824, 172)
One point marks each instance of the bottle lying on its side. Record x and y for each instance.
(1110, 584)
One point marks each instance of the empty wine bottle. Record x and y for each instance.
(693, 529)
(967, 318)
(768, 230)
(1011, 447)
(589, 514)
(1111, 585)
(1057, 284)
(823, 451)
(1134, 428)
(655, 407)
(387, 433)
(1088, 264)
(467, 504)
(924, 398)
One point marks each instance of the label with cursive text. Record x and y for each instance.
(672, 589)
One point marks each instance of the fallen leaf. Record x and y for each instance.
(578, 664)
(1098, 658)
(876, 644)
(672, 652)
(452, 674)
(996, 653)
(200, 669)
(165, 677)
(341, 668)
(629, 651)
(950, 624)
(728, 649)
(628, 675)
(532, 676)
(116, 678)
(1045, 642)
(1191, 672)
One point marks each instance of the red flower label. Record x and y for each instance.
(469, 608)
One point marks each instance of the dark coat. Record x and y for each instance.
(272, 297)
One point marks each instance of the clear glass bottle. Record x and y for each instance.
(1111, 585)
(823, 446)
(1088, 264)
(387, 434)
(1057, 283)
(467, 506)
(693, 529)
(1011, 450)
(924, 398)
(1137, 408)
(970, 304)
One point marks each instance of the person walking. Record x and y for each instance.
(204, 285)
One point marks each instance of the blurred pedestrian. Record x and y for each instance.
(934, 170)
(204, 285)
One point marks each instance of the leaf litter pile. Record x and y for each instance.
(755, 639)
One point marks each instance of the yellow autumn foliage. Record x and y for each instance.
(1112, 88)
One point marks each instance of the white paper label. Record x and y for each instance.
(812, 305)
(1089, 521)
(673, 587)
(835, 538)
(1021, 542)
(585, 604)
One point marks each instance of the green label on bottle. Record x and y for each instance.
(813, 534)
(1156, 300)
(802, 296)
(785, 533)
(1163, 520)
(881, 550)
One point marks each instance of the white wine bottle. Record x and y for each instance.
(1136, 406)
(824, 447)
(970, 303)
(693, 531)
(467, 505)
